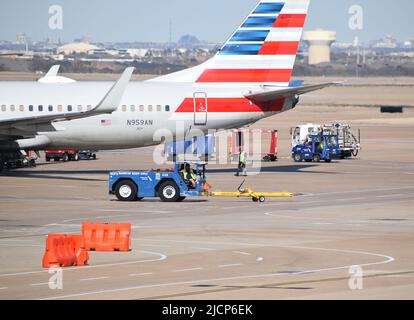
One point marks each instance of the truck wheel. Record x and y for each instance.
(75, 157)
(262, 199)
(47, 159)
(316, 158)
(169, 192)
(126, 190)
(65, 157)
(328, 160)
(297, 157)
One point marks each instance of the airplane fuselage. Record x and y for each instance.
(148, 111)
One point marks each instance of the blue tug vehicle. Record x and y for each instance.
(169, 185)
(318, 148)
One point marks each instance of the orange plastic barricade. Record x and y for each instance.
(107, 236)
(65, 251)
(82, 255)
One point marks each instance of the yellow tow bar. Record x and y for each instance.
(249, 193)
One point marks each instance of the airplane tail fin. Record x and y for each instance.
(261, 51)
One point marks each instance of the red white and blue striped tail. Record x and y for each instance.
(261, 51)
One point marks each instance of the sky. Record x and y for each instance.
(209, 20)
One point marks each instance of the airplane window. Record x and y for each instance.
(3, 108)
(79, 108)
(70, 108)
(31, 108)
(40, 108)
(149, 108)
(50, 108)
(124, 108)
(159, 108)
(132, 108)
(21, 108)
(89, 108)
(167, 108)
(141, 108)
(12, 108)
(60, 108)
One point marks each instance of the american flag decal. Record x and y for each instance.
(106, 122)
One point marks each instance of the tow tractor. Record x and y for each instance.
(319, 147)
(64, 155)
(168, 185)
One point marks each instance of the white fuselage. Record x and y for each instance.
(147, 110)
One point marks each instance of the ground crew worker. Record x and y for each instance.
(242, 164)
(322, 144)
(189, 176)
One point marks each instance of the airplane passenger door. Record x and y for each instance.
(200, 108)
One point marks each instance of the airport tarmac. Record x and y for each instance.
(355, 212)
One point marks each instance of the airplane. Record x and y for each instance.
(247, 80)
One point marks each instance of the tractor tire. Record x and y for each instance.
(297, 157)
(126, 190)
(169, 192)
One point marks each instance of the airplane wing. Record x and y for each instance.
(270, 93)
(108, 104)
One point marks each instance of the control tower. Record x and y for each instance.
(319, 42)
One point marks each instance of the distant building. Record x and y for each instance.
(76, 47)
(388, 42)
(138, 53)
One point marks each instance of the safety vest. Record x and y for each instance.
(192, 175)
(242, 157)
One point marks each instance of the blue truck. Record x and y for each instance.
(168, 185)
(319, 147)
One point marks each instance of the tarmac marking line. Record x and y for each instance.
(357, 191)
(93, 279)
(230, 265)
(39, 284)
(242, 253)
(204, 249)
(390, 196)
(187, 270)
(140, 274)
